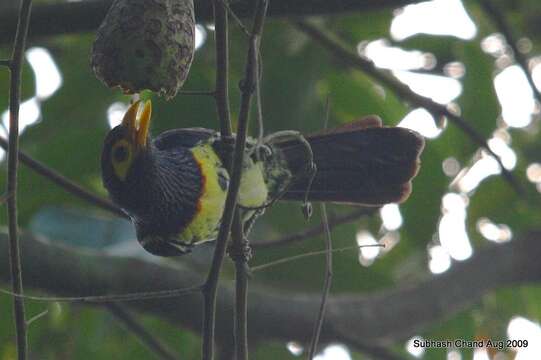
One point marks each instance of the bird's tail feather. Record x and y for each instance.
(358, 163)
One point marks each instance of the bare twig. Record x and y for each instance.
(499, 20)
(162, 294)
(36, 317)
(222, 105)
(350, 58)
(316, 230)
(16, 67)
(133, 325)
(281, 261)
(238, 252)
(197, 93)
(65, 183)
(247, 88)
(326, 285)
(243, 28)
(222, 67)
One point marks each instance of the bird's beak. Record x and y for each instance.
(138, 122)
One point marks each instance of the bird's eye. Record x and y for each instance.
(121, 158)
(120, 153)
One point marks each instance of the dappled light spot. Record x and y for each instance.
(506, 154)
(295, 348)
(115, 113)
(391, 217)
(533, 172)
(515, 96)
(494, 44)
(454, 355)
(29, 113)
(47, 76)
(520, 328)
(454, 69)
(416, 351)
(367, 254)
(3, 135)
(389, 240)
(452, 227)
(439, 261)
(470, 178)
(386, 56)
(438, 17)
(480, 354)
(441, 89)
(494, 232)
(200, 36)
(421, 121)
(450, 166)
(334, 352)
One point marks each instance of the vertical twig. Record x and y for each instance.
(499, 20)
(239, 252)
(247, 88)
(138, 330)
(326, 285)
(222, 67)
(16, 67)
(328, 265)
(222, 105)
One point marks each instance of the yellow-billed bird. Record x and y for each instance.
(174, 186)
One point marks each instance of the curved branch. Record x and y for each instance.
(379, 319)
(76, 17)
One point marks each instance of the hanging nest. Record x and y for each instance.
(145, 44)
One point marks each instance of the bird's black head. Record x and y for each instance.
(123, 149)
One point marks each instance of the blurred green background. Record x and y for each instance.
(298, 78)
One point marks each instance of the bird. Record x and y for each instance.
(173, 186)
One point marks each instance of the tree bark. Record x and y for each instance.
(76, 17)
(378, 319)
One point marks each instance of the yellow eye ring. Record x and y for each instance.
(121, 158)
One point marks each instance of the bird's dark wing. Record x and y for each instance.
(186, 138)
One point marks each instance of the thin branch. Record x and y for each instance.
(284, 260)
(239, 253)
(221, 92)
(16, 67)
(350, 58)
(5, 63)
(401, 312)
(134, 326)
(197, 93)
(319, 229)
(499, 20)
(326, 285)
(36, 317)
(247, 89)
(225, 3)
(136, 296)
(222, 106)
(68, 185)
(82, 16)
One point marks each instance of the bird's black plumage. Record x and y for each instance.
(174, 187)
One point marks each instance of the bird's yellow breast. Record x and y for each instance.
(210, 206)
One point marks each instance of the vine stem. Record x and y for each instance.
(16, 67)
